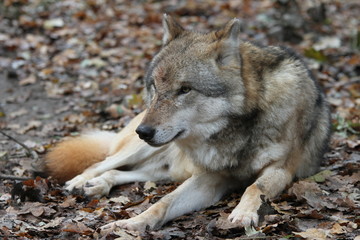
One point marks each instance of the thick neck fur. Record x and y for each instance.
(256, 63)
(227, 143)
(235, 139)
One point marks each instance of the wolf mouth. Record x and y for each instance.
(154, 144)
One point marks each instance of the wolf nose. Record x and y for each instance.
(145, 132)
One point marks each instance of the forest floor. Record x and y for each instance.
(66, 66)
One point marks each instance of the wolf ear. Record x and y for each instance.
(229, 40)
(172, 29)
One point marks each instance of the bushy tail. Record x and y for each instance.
(71, 157)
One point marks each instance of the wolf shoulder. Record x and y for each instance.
(280, 72)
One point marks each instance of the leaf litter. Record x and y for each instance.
(68, 65)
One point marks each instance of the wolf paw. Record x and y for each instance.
(244, 218)
(130, 224)
(97, 187)
(78, 182)
(75, 183)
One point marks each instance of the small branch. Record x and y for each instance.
(255, 237)
(10, 177)
(30, 152)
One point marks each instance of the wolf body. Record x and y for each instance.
(222, 114)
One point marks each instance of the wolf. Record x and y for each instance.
(222, 115)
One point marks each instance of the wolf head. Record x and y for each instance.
(192, 84)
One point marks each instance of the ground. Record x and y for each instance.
(66, 66)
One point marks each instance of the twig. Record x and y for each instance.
(352, 81)
(10, 177)
(255, 237)
(30, 152)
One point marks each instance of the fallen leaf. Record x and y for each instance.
(53, 23)
(337, 229)
(353, 143)
(75, 118)
(4, 155)
(93, 62)
(77, 227)
(309, 191)
(251, 231)
(327, 42)
(321, 176)
(27, 81)
(122, 234)
(30, 126)
(134, 101)
(18, 113)
(313, 233)
(120, 200)
(69, 202)
(53, 223)
(169, 233)
(149, 186)
(36, 209)
(223, 222)
(315, 54)
(5, 197)
(37, 212)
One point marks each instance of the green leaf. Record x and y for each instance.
(321, 176)
(135, 101)
(314, 54)
(250, 230)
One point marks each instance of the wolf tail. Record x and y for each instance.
(71, 157)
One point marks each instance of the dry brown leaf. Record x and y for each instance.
(120, 200)
(337, 229)
(313, 233)
(353, 143)
(223, 222)
(30, 126)
(18, 113)
(309, 191)
(53, 223)
(53, 23)
(69, 202)
(37, 212)
(76, 227)
(149, 186)
(29, 80)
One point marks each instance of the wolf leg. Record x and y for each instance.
(102, 184)
(133, 154)
(197, 192)
(269, 184)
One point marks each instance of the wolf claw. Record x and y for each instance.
(97, 187)
(129, 224)
(244, 219)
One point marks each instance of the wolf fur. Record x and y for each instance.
(222, 114)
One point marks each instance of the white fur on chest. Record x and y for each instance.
(209, 157)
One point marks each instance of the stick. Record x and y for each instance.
(30, 152)
(255, 237)
(10, 177)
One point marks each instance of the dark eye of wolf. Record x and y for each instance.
(184, 90)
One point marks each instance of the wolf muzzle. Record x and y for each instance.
(145, 132)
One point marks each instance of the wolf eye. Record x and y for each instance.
(184, 90)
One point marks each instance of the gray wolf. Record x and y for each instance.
(222, 114)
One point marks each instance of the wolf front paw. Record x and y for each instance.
(244, 218)
(78, 182)
(130, 224)
(97, 187)
(75, 183)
